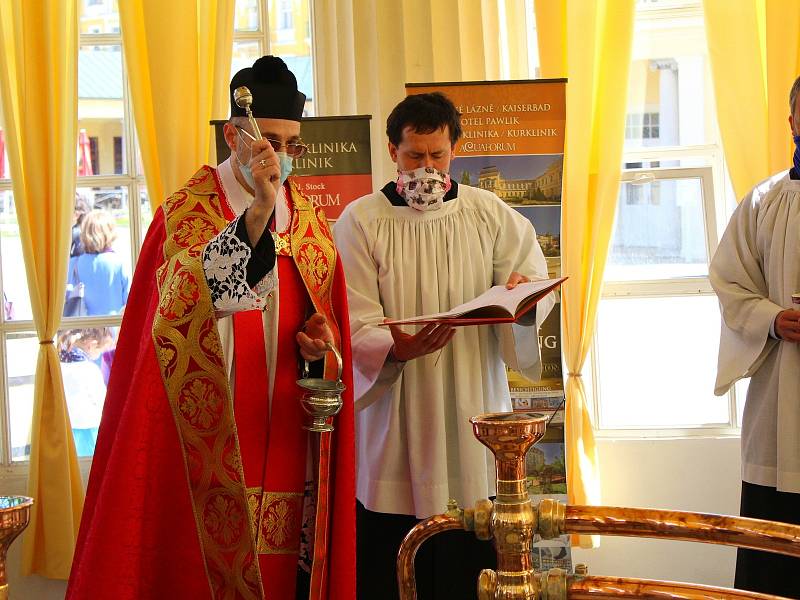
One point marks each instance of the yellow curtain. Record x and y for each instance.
(39, 87)
(754, 47)
(592, 40)
(178, 56)
(358, 72)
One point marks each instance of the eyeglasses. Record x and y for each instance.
(293, 149)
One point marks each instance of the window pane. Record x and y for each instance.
(244, 55)
(246, 16)
(290, 38)
(15, 284)
(98, 274)
(667, 163)
(22, 350)
(145, 211)
(657, 360)
(659, 231)
(101, 139)
(670, 99)
(86, 356)
(99, 16)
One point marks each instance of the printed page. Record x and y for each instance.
(503, 301)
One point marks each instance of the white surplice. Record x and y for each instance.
(415, 446)
(755, 271)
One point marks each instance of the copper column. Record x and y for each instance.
(511, 521)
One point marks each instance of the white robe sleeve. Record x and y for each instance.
(373, 375)
(225, 261)
(517, 249)
(737, 276)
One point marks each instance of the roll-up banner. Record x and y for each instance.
(337, 168)
(513, 145)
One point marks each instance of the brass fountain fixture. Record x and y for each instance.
(14, 515)
(512, 522)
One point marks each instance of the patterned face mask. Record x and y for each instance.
(423, 188)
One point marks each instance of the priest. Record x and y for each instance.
(755, 271)
(424, 244)
(204, 482)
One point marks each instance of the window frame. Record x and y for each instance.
(715, 215)
(260, 35)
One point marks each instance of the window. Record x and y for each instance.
(655, 349)
(641, 126)
(650, 126)
(285, 16)
(118, 158)
(289, 24)
(94, 156)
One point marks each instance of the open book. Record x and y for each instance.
(496, 305)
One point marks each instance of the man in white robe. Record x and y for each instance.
(425, 244)
(755, 271)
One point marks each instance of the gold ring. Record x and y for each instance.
(262, 162)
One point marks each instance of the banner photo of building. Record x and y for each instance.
(513, 145)
(337, 168)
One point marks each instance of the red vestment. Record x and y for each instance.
(156, 494)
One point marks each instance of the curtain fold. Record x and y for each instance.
(754, 49)
(551, 36)
(178, 57)
(39, 87)
(517, 47)
(360, 73)
(592, 41)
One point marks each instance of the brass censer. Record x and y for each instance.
(322, 398)
(512, 522)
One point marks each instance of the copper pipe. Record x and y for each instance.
(591, 588)
(406, 578)
(755, 534)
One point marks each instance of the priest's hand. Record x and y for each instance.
(429, 339)
(266, 170)
(514, 279)
(787, 325)
(314, 338)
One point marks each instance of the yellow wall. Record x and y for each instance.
(298, 41)
(103, 120)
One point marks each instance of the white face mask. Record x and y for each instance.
(286, 162)
(423, 188)
(244, 165)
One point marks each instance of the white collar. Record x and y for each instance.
(239, 198)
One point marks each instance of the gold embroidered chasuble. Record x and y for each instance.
(193, 369)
